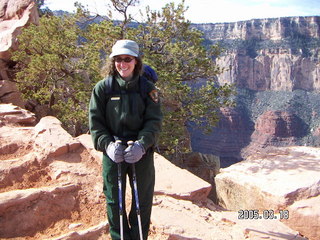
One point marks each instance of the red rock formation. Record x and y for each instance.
(10, 114)
(276, 127)
(14, 15)
(231, 134)
(278, 124)
(10, 94)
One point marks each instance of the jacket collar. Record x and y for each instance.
(127, 84)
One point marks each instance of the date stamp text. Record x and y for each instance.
(265, 214)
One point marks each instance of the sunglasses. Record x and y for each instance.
(126, 59)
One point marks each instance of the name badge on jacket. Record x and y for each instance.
(115, 98)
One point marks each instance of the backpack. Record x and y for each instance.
(150, 74)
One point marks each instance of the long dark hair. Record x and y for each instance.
(109, 69)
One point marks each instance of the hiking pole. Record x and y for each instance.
(120, 196)
(135, 187)
(134, 178)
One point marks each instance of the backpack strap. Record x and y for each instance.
(109, 85)
(143, 87)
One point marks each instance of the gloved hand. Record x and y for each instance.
(115, 150)
(134, 152)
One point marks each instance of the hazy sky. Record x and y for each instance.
(211, 11)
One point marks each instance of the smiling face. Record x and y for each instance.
(125, 65)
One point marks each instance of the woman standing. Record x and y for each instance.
(119, 111)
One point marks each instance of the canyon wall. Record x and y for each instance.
(269, 54)
(275, 65)
(264, 29)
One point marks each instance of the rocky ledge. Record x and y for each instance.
(51, 188)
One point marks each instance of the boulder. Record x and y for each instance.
(171, 181)
(10, 94)
(12, 114)
(274, 181)
(304, 216)
(270, 181)
(61, 200)
(52, 139)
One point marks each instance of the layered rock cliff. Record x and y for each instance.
(264, 29)
(275, 64)
(269, 54)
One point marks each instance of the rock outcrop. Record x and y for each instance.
(14, 15)
(231, 134)
(51, 188)
(279, 124)
(11, 114)
(9, 93)
(305, 217)
(277, 180)
(49, 177)
(275, 128)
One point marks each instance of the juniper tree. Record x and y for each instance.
(56, 71)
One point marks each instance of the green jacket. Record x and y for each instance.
(124, 114)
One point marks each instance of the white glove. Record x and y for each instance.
(115, 151)
(134, 152)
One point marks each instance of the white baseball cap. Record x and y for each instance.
(125, 47)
